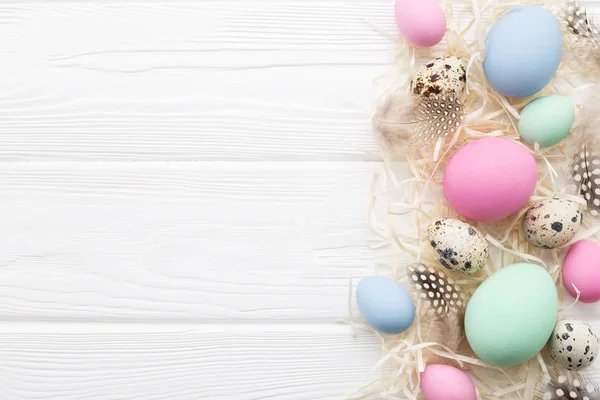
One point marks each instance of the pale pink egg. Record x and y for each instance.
(443, 382)
(421, 22)
(490, 179)
(581, 268)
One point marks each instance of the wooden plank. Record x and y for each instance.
(180, 80)
(182, 241)
(92, 361)
(177, 362)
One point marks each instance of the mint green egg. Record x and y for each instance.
(547, 120)
(511, 315)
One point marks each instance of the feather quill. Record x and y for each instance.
(567, 385)
(446, 301)
(583, 149)
(405, 122)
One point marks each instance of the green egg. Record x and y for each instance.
(547, 120)
(512, 314)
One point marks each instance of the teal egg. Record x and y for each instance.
(512, 314)
(385, 304)
(547, 120)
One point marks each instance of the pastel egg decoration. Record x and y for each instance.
(573, 344)
(443, 76)
(523, 51)
(444, 382)
(551, 223)
(422, 23)
(459, 246)
(512, 314)
(547, 120)
(385, 305)
(490, 179)
(581, 267)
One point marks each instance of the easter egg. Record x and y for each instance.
(581, 268)
(422, 23)
(523, 51)
(547, 120)
(511, 315)
(385, 304)
(573, 345)
(551, 223)
(442, 76)
(443, 382)
(490, 179)
(458, 245)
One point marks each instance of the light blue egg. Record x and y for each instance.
(523, 51)
(385, 304)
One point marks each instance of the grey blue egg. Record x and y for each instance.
(385, 305)
(551, 223)
(459, 246)
(573, 344)
(523, 51)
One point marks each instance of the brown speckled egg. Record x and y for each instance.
(458, 245)
(443, 76)
(573, 345)
(551, 223)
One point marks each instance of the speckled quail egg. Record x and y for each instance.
(573, 345)
(458, 245)
(442, 76)
(551, 223)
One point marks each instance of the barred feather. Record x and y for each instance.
(417, 122)
(583, 148)
(567, 385)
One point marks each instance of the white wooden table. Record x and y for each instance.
(183, 192)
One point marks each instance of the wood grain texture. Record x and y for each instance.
(195, 241)
(186, 362)
(135, 199)
(210, 80)
(157, 362)
(188, 81)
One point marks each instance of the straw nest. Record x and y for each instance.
(410, 190)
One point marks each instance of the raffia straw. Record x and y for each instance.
(417, 196)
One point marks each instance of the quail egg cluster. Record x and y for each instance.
(551, 223)
(573, 344)
(442, 76)
(459, 246)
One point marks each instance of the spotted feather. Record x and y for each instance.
(577, 21)
(436, 289)
(583, 149)
(567, 385)
(417, 122)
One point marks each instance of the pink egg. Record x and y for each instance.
(581, 268)
(421, 22)
(443, 382)
(490, 179)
